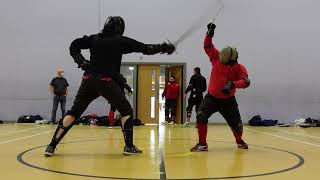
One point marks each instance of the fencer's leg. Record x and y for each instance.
(189, 110)
(85, 95)
(231, 114)
(111, 118)
(169, 106)
(207, 108)
(64, 126)
(187, 123)
(166, 112)
(111, 115)
(173, 111)
(189, 114)
(112, 92)
(127, 129)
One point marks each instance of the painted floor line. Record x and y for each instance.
(20, 131)
(25, 137)
(7, 130)
(282, 137)
(318, 137)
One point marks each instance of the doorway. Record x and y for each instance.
(151, 80)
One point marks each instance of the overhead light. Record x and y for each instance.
(131, 68)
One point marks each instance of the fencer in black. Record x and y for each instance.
(102, 77)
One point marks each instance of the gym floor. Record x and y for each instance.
(89, 152)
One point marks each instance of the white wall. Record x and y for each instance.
(277, 42)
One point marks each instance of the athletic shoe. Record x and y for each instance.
(131, 150)
(164, 123)
(49, 151)
(242, 145)
(171, 123)
(186, 124)
(199, 147)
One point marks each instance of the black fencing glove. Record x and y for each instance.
(167, 48)
(211, 27)
(226, 88)
(130, 91)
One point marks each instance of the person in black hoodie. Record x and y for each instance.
(102, 75)
(197, 86)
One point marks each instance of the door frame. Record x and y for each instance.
(183, 86)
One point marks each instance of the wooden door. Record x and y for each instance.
(148, 93)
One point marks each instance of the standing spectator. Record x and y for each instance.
(171, 93)
(197, 86)
(59, 90)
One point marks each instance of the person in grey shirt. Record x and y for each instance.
(59, 90)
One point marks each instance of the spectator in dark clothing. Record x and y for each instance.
(59, 89)
(197, 86)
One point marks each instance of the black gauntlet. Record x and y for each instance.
(211, 27)
(226, 88)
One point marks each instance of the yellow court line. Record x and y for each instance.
(8, 130)
(179, 155)
(20, 130)
(282, 137)
(296, 133)
(25, 137)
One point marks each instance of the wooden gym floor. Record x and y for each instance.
(96, 153)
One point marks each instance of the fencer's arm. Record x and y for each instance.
(178, 89)
(128, 88)
(51, 89)
(76, 46)
(130, 45)
(188, 89)
(164, 92)
(67, 91)
(204, 86)
(210, 50)
(151, 49)
(190, 86)
(244, 81)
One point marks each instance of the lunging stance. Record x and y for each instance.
(102, 77)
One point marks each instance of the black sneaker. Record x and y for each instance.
(49, 151)
(131, 150)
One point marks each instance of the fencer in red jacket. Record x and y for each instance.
(227, 75)
(171, 93)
